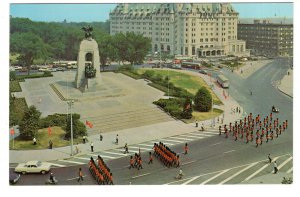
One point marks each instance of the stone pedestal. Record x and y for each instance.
(88, 53)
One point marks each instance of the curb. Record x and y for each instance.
(284, 92)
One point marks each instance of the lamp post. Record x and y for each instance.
(70, 103)
(212, 104)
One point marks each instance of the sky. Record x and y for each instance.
(100, 12)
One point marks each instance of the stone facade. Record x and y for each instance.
(266, 38)
(88, 54)
(191, 29)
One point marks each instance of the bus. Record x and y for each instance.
(223, 81)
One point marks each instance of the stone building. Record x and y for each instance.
(191, 29)
(264, 37)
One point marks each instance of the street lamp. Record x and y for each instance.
(212, 104)
(70, 103)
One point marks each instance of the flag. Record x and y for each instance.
(49, 130)
(12, 131)
(88, 123)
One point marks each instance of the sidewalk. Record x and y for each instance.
(286, 84)
(251, 67)
(269, 178)
(133, 135)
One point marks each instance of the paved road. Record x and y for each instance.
(213, 159)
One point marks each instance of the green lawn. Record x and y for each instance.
(185, 81)
(14, 86)
(199, 116)
(57, 137)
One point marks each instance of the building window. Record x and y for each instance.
(186, 51)
(193, 50)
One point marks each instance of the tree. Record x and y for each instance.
(79, 128)
(30, 123)
(187, 109)
(29, 45)
(202, 100)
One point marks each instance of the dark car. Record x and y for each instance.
(203, 71)
(13, 178)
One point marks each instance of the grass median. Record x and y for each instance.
(42, 137)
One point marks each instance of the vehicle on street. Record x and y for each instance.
(13, 178)
(274, 109)
(18, 68)
(223, 81)
(203, 71)
(33, 167)
(60, 69)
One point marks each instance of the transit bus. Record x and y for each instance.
(223, 81)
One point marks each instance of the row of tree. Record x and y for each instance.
(60, 41)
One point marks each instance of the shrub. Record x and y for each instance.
(54, 120)
(202, 100)
(12, 75)
(47, 74)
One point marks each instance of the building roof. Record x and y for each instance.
(278, 20)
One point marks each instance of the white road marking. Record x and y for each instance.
(58, 165)
(283, 163)
(290, 170)
(192, 179)
(229, 151)
(105, 156)
(171, 141)
(187, 163)
(75, 178)
(239, 172)
(83, 158)
(258, 171)
(208, 132)
(147, 145)
(203, 134)
(113, 153)
(212, 178)
(191, 136)
(140, 175)
(139, 148)
(184, 139)
(68, 161)
(215, 144)
(166, 143)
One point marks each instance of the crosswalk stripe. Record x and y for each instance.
(58, 165)
(112, 153)
(198, 137)
(285, 162)
(166, 143)
(147, 145)
(102, 156)
(83, 158)
(179, 138)
(203, 134)
(259, 170)
(206, 132)
(290, 170)
(140, 148)
(170, 141)
(68, 161)
(212, 178)
(192, 179)
(239, 172)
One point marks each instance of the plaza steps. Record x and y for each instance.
(57, 92)
(126, 119)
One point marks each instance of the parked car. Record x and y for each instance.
(60, 69)
(33, 167)
(13, 178)
(203, 71)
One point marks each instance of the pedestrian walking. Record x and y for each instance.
(80, 175)
(257, 141)
(77, 149)
(83, 139)
(117, 140)
(34, 141)
(275, 167)
(150, 158)
(50, 144)
(270, 159)
(101, 137)
(220, 130)
(126, 148)
(92, 146)
(186, 148)
(196, 123)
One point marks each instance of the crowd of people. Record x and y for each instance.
(166, 155)
(101, 172)
(265, 129)
(136, 161)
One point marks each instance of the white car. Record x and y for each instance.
(33, 167)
